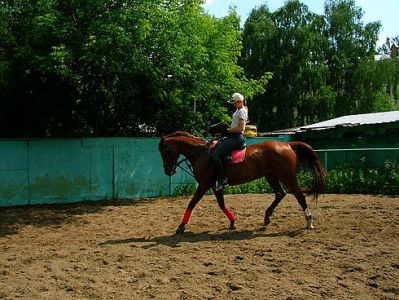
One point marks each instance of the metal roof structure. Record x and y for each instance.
(345, 121)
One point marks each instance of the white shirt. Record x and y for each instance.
(241, 113)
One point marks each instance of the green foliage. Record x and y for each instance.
(128, 67)
(290, 43)
(365, 180)
(106, 68)
(184, 190)
(259, 186)
(382, 102)
(323, 65)
(388, 68)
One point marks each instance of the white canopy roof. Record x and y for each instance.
(355, 120)
(345, 121)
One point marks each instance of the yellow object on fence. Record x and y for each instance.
(250, 131)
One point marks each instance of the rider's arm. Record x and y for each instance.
(239, 129)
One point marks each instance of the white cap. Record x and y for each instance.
(236, 97)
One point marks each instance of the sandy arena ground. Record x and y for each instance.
(128, 250)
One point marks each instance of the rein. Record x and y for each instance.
(178, 165)
(186, 160)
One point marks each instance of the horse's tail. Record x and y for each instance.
(307, 158)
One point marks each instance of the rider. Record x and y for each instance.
(233, 140)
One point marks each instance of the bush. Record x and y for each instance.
(184, 190)
(365, 180)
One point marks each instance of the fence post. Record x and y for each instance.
(170, 186)
(325, 161)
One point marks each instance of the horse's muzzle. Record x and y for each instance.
(170, 171)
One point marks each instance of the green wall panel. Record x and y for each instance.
(101, 173)
(14, 187)
(59, 170)
(138, 170)
(13, 155)
(55, 171)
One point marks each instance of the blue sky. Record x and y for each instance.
(385, 11)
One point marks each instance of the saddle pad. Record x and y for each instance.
(237, 156)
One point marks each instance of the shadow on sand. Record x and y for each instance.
(188, 237)
(49, 215)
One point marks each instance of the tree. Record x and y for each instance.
(350, 56)
(201, 72)
(290, 44)
(106, 68)
(323, 65)
(388, 68)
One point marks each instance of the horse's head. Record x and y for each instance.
(174, 144)
(169, 155)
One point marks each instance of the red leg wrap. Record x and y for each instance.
(187, 216)
(229, 214)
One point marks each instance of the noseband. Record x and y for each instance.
(186, 160)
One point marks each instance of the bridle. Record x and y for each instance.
(187, 161)
(166, 164)
(178, 163)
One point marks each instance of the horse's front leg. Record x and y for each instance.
(232, 218)
(199, 193)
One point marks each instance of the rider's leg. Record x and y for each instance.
(225, 147)
(218, 166)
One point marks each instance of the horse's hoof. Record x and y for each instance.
(262, 228)
(309, 226)
(267, 221)
(180, 229)
(232, 226)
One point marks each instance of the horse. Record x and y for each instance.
(277, 162)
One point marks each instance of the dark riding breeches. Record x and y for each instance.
(228, 144)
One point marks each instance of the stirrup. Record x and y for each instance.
(221, 184)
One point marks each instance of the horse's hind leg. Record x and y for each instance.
(232, 218)
(279, 195)
(291, 182)
(296, 191)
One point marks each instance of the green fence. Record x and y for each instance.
(371, 157)
(73, 170)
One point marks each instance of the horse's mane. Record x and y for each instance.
(177, 134)
(183, 134)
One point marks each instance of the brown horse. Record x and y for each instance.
(278, 162)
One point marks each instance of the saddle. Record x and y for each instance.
(236, 156)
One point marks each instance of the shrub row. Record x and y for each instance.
(344, 180)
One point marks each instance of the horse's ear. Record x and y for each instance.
(164, 137)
